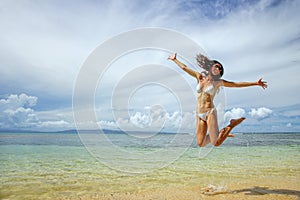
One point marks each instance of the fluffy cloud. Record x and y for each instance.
(235, 113)
(157, 119)
(260, 113)
(140, 120)
(256, 113)
(15, 101)
(17, 112)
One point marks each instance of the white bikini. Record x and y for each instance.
(209, 90)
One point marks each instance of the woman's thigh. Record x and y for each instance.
(201, 129)
(212, 124)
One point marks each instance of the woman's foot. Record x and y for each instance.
(225, 132)
(235, 122)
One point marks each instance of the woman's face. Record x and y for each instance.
(215, 69)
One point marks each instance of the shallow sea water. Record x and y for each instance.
(49, 166)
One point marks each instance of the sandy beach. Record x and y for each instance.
(267, 190)
(257, 190)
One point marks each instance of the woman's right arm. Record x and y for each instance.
(184, 67)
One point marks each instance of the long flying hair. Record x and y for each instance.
(206, 64)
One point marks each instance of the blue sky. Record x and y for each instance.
(45, 43)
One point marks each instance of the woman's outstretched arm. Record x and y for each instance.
(184, 67)
(261, 83)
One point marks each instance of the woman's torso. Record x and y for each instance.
(206, 91)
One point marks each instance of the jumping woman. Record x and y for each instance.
(208, 83)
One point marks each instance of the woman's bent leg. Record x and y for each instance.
(226, 131)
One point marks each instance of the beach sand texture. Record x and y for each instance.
(236, 192)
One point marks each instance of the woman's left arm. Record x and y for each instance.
(261, 83)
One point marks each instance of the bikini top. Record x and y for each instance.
(209, 89)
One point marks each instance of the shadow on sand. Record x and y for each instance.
(265, 190)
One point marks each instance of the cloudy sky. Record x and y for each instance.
(45, 43)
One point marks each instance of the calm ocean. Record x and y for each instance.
(58, 165)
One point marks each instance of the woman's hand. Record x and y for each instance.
(261, 83)
(172, 57)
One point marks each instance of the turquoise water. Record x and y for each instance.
(47, 166)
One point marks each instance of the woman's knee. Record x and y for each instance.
(201, 143)
(214, 142)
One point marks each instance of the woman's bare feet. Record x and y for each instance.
(225, 132)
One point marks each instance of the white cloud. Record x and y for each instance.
(158, 120)
(105, 124)
(15, 101)
(260, 113)
(20, 117)
(153, 118)
(140, 120)
(235, 113)
(17, 113)
(53, 124)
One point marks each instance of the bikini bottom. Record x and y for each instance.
(203, 116)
